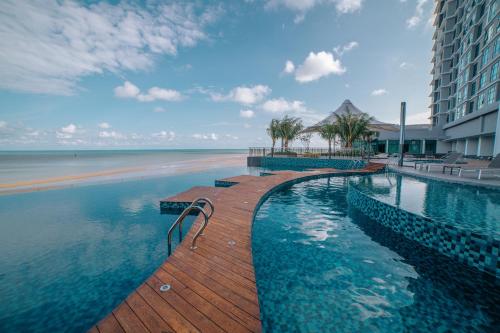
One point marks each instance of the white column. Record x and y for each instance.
(423, 146)
(496, 143)
(466, 147)
(479, 140)
(387, 146)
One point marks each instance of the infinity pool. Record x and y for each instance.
(69, 256)
(470, 207)
(322, 266)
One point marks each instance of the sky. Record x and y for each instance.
(203, 74)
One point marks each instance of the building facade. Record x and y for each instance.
(465, 87)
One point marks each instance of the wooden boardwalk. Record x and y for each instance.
(213, 287)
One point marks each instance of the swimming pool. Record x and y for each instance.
(323, 266)
(470, 207)
(69, 256)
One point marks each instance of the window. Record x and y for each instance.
(473, 70)
(497, 46)
(491, 94)
(486, 54)
(494, 72)
(482, 80)
(471, 107)
(473, 88)
(480, 101)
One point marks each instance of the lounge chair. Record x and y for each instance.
(429, 160)
(493, 167)
(451, 159)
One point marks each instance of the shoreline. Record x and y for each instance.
(123, 174)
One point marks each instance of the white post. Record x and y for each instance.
(466, 147)
(402, 120)
(479, 140)
(423, 146)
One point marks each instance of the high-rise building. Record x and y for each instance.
(465, 87)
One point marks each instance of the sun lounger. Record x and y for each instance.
(492, 168)
(451, 158)
(426, 160)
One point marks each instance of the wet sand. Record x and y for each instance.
(132, 173)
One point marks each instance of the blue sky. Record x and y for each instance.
(124, 74)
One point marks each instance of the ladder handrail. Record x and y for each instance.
(178, 222)
(209, 202)
(194, 203)
(200, 231)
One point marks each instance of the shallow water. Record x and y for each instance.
(470, 207)
(18, 166)
(322, 266)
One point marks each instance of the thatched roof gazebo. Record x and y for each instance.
(346, 107)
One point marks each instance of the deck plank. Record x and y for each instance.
(213, 287)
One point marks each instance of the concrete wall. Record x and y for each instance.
(487, 143)
(472, 146)
(443, 147)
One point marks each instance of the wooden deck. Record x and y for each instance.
(213, 287)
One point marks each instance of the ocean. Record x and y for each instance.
(40, 169)
(69, 255)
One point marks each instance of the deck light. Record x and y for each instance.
(164, 288)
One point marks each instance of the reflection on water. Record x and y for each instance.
(69, 256)
(471, 207)
(322, 266)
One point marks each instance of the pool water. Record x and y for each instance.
(323, 266)
(470, 207)
(69, 256)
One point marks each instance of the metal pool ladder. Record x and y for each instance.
(195, 205)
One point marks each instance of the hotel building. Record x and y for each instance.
(465, 85)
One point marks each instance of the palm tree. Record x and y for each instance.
(352, 127)
(328, 132)
(274, 132)
(368, 136)
(290, 129)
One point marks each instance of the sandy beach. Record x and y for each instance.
(122, 174)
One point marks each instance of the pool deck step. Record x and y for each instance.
(213, 287)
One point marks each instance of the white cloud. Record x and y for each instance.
(348, 6)
(341, 49)
(156, 93)
(280, 105)
(296, 108)
(247, 113)
(243, 95)
(111, 135)
(379, 92)
(66, 132)
(48, 46)
(129, 90)
(415, 20)
(245, 125)
(301, 7)
(211, 136)
(406, 65)
(70, 129)
(104, 125)
(318, 65)
(164, 135)
(3, 124)
(289, 67)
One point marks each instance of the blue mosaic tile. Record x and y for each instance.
(299, 162)
(477, 250)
